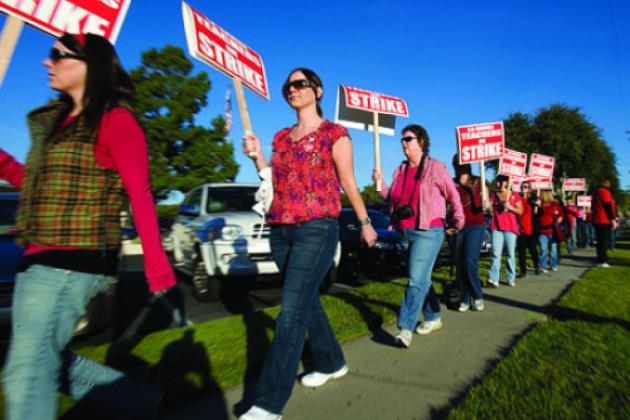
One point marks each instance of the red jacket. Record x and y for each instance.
(602, 197)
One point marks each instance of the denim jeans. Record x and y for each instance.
(572, 238)
(423, 249)
(500, 238)
(303, 252)
(469, 243)
(47, 304)
(548, 259)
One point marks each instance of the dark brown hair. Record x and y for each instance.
(421, 134)
(313, 79)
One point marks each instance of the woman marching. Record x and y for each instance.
(420, 188)
(550, 218)
(310, 160)
(87, 150)
(506, 207)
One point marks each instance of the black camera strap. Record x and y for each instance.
(416, 179)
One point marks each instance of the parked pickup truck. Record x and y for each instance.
(217, 235)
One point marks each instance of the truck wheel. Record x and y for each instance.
(329, 279)
(205, 288)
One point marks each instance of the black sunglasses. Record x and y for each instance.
(407, 139)
(56, 54)
(296, 84)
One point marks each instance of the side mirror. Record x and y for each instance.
(189, 210)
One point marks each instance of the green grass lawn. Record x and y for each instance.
(574, 366)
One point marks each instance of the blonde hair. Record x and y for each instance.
(546, 196)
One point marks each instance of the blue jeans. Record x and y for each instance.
(572, 238)
(469, 243)
(500, 238)
(47, 304)
(423, 249)
(303, 252)
(548, 260)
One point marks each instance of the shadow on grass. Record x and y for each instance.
(372, 319)
(563, 313)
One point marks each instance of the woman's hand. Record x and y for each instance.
(368, 235)
(377, 175)
(251, 146)
(159, 293)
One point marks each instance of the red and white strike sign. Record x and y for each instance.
(480, 142)
(584, 200)
(209, 43)
(541, 183)
(100, 17)
(374, 102)
(513, 163)
(574, 184)
(541, 165)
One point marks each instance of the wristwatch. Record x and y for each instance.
(365, 221)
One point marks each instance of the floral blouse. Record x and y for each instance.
(305, 181)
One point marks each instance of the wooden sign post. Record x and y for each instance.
(8, 40)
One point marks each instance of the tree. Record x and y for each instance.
(182, 154)
(565, 133)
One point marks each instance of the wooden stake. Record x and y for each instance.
(242, 108)
(377, 148)
(8, 39)
(482, 175)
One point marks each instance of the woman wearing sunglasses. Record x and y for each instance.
(421, 187)
(310, 160)
(87, 150)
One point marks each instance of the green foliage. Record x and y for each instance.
(182, 154)
(167, 210)
(370, 197)
(565, 133)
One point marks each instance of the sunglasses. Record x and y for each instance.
(296, 84)
(407, 139)
(56, 54)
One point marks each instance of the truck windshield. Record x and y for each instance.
(224, 199)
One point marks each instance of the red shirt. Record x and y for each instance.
(472, 219)
(503, 219)
(305, 183)
(120, 146)
(601, 196)
(549, 214)
(525, 218)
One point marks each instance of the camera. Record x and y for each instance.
(403, 212)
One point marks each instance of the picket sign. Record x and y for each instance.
(355, 107)
(512, 164)
(573, 184)
(541, 166)
(55, 17)
(584, 200)
(479, 143)
(212, 45)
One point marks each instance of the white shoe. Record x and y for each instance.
(428, 327)
(478, 305)
(604, 265)
(554, 268)
(315, 379)
(493, 284)
(257, 413)
(463, 307)
(404, 338)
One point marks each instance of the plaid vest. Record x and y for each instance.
(67, 199)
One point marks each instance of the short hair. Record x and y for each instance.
(421, 134)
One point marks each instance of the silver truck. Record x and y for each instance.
(217, 235)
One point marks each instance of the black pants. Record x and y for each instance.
(602, 234)
(523, 243)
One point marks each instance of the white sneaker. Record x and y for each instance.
(463, 307)
(554, 268)
(428, 327)
(315, 379)
(544, 270)
(257, 413)
(404, 338)
(478, 305)
(493, 284)
(604, 265)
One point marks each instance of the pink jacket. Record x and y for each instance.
(436, 189)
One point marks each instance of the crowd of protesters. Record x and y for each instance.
(89, 151)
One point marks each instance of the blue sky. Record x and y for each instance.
(454, 62)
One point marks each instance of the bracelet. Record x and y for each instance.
(365, 221)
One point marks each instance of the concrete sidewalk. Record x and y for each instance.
(387, 382)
